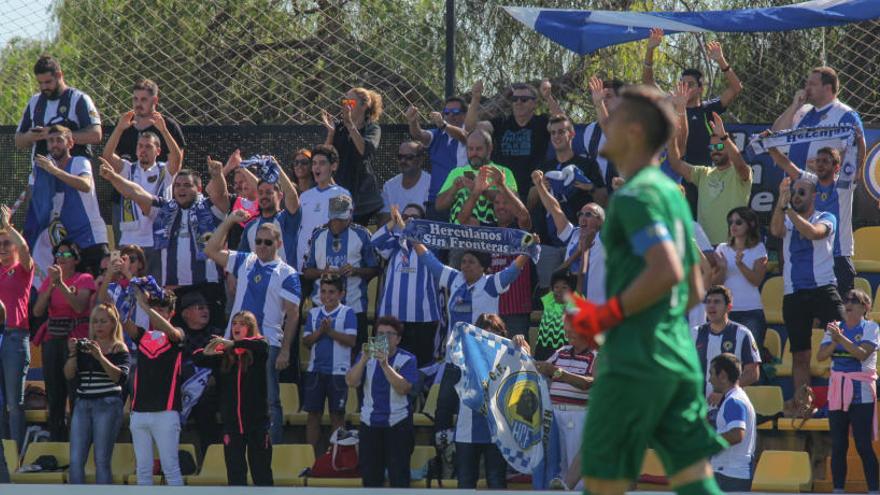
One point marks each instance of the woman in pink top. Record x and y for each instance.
(16, 278)
(65, 293)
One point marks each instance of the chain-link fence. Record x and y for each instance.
(280, 62)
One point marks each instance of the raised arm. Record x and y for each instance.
(743, 170)
(546, 90)
(777, 221)
(357, 140)
(473, 113)
(520, 212)
(82, 183)
(415, 130)
(734, 85)
(128, 189)
(597, 93)
(784, 163)
(159, 323)
(465, 215)
(450, 188)
(291, 197)
(24, 253)
(654, 41)
(550, 203)
(125, 121)
(678, 165)
(786, 120)
(214, 247)
(217, 189)
(175, 155)
(330, 125)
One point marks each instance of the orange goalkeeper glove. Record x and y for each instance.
(591, 320)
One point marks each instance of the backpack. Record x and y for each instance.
(341, 458)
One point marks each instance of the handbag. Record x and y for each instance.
(341, 458)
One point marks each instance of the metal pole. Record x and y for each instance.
(450, 48)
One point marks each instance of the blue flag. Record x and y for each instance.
(501, 382)
(585, 31)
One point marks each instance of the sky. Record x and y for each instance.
(28, 18)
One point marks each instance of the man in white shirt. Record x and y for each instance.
(736, 423)
(315, 202)
(411, 185)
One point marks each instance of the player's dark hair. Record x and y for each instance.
(696, 74)
(648, 107)
(560, 117)
(720, 290)
(729, 365)
(167, 301)
(47, 64)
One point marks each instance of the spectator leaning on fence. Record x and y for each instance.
(808, 272)
(65, 294)
(239, 365)
(386, 435)
(834, 193)
(851, 344)
(411, 185)
(356, 138)
(57, 104)
(409, 292)
(99, 366)
(446, 144)
(741, 264)
(268, 288)
(720, 335)
(16, 279)
(735, 422)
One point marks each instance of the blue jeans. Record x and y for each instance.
(754, 320)
(467, 457)
(15, 358)
(276, 417)
(94, 421)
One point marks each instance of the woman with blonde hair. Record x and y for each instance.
(356, 139)
(240, 368)
(98, 365)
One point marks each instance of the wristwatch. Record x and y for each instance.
(557, 374)
(785, 208)
(724, 137)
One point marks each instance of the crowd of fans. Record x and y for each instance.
(232, 270)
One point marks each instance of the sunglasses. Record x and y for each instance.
(452, 111)
(522, 99)
(5, 243)
(65, 254)
(404, 157)
(407, 217)
(349, 102)
(301, 163)
(266, 242)
(853, 300)
(716, 147)
(388, 334)
(736, 222)
(588, 214)
(801, 191)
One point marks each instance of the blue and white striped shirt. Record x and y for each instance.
(78, 211)
(834, 113)
(468, 302)
(384, 407)
(410, 292)
(289, 226)
(261, 289)
(181, 263)
(352, 246)
(327, 355)
(809, 264)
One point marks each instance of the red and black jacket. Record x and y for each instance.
(244, 403)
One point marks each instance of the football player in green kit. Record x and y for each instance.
(649, 385)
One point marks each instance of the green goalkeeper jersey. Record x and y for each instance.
(655, 343)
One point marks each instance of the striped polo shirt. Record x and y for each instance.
(576, 363)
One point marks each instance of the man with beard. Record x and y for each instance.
(57, 103)
(460, 181)
(808, 274)
(198, 331)
(411, 185)
(288, 220)
(721, 188)
(75, 203)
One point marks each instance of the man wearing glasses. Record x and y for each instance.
(808, 274)
(411, 185)
(722, 187)
(446, 143)
(521, 138)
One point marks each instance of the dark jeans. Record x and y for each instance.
(204, 414)
(384, 448)
(54, 357)
(362, 334)
(418, 338)
(860, 418)
(845, 273)
(15, 358)
(467, 460)
(753, 320)
(258, 448)
(728, 484)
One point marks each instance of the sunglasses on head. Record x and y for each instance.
(349, 102)
(65, 254)
(262, 242)
(452, 111)
(403, 156)
(301, 163)
(522, 99)
(716, 147)
(737, 222)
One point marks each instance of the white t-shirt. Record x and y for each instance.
(746, 297)
(736, 411)
(135, 227)
(314, 204)
(393, 192)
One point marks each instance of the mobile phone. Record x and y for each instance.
(37, 129)
(114, 255)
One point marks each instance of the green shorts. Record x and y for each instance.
(628, 415)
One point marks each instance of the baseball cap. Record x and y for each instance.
(340, 208)
(192, 299)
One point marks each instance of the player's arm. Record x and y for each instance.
(550, 203)
(663, 271)
(696, 284)
(597, 94)
(291, 198)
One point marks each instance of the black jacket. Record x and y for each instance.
(244, 403)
